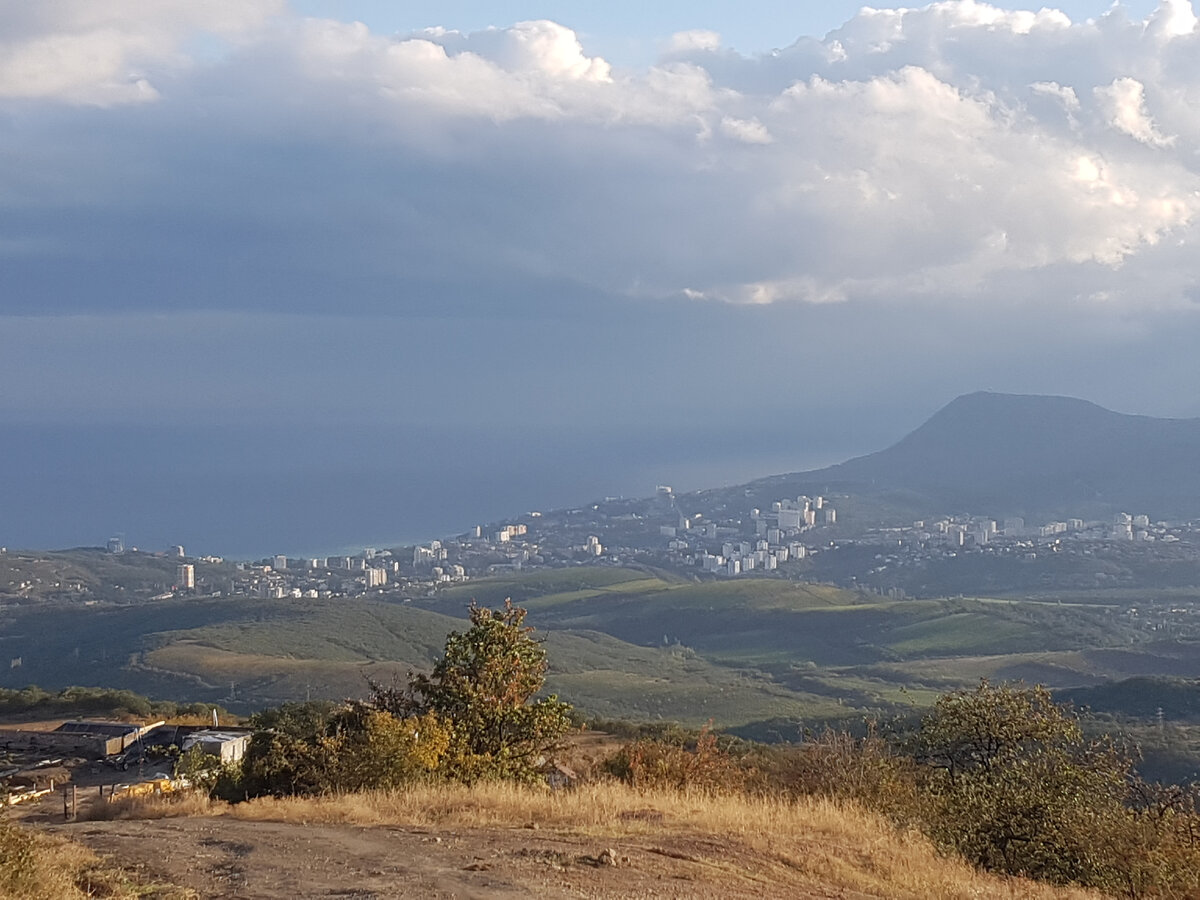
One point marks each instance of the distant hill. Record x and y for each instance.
(1021, 455)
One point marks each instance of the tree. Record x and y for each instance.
(483, 687)
(370, 749)
(1016, 787)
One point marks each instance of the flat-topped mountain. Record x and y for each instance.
(1033, 456)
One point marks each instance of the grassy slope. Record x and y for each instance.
(287, 649)
(768, 622)
(622, 642)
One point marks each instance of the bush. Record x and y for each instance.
(473, 717)
(659, 764)
(835, 764)
(370, 748)
(1014, 786)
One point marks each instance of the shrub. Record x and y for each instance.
(370, 748)
(655, 764)
(1015, 786)
(473, 717)
(835, 764)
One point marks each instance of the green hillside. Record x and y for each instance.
(622, 643)
(771, 622)
(267, 651)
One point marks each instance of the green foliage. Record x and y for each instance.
(33, 700)
(484, 687)
(207, 773)
(1014, 786)
(370, 748)
(284, 754)
(970, 732)
(314, 748)
(473, 717)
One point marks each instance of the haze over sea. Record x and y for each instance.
(245, 492)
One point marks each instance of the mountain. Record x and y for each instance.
(1022, 455)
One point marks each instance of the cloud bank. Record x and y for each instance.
(234, 155)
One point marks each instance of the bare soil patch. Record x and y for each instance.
(223, 857)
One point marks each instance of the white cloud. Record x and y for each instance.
(1173, 18)
(90, 52)
(696, 39)
(1125, 103)
(748, 131)
(911, 154)
(1065, 95)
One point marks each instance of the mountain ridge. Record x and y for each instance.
(1026, 455)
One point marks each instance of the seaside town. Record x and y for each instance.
(801, 537)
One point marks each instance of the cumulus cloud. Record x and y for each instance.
(913, 154)
(88, 52)
(750, 131)
(1125, 103)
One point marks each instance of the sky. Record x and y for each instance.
(288, 277)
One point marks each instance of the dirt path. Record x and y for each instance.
(223, 857)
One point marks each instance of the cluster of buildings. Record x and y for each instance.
(775, 541)
(976, 531)
(748, 556)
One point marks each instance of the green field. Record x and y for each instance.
(622, 643)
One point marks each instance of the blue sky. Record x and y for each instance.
(631, 33)
(286, 277)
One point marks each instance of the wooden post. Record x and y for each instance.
(66, 807)
(74, 799)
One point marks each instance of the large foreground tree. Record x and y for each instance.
(484, 688)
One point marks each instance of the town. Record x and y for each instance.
(701, 536)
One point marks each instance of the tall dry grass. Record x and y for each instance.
(835, 845)
(36, 866)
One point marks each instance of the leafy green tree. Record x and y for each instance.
(1015, 786)
(284, 755)
(369, 748)
(473, 717)
(483, 687)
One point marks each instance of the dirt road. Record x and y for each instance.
(223, 857)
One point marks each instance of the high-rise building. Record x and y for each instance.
(185, 577)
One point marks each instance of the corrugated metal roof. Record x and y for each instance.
(112, 729)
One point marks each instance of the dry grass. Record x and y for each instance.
(151, 807)
(35, 866)
(809, 843)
